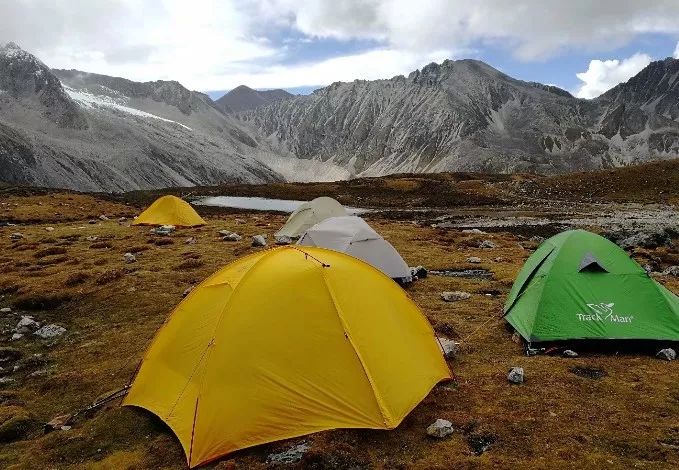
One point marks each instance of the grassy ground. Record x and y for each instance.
(111, 310)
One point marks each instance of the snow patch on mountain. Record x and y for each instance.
(92, 101)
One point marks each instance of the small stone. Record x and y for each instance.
(515, 375)
(122, 219)
(49, 229)
(475, 231)
(92, 238)
(293, 455)
(163, 230)
(6, 380)
(92, 222)
(448, 347)
(5, 310)
(26, 324)
(103, 217)
(455, 296)
(16, 337)
(190, 241)
(440, 428)
(284, 240)
(50, 331)
(671, 271)
(130, 258)
(667, 354)
(570, 353)
(487, 244)
(474, 260)
(229, 236)
(499, 259)
(16, 236)
(58, 422)
(187, 291)
(259, 240)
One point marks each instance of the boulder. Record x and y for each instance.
(455, 296)
(26, 325)
(129, 258)
(440, 428)
(259, 240)
(449, 347)
(474, 260)
(284, 240)
(229, 236)
(661, 236)
(667, 354)
(515, 375)
(50, 331)
(293, 455)
(487, 244)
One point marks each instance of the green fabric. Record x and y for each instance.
(552, 299)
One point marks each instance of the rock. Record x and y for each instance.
(293, 455)
(499, 259)
(92, 238)
(130, 258)
(190, 241)
(122, 219)
(419, 272)
(92, 222)
(667, 354)
(474, 260)
(537, 239)
(671, 271)
(440, 428)
(58, 422)
(474, 231)
(16, 236)
(49, 229)
(6, 380)
(284, 240)
(26, 325)
(103, 217)
(515, 375)
(448, 346)
(487, 244)
(187, 291)
(455, 296)
(5, 310)
(259, 240)
(163, 230)
(229, 236)
(50, 331)
(647, 239)
(16, 337)
(570, 353)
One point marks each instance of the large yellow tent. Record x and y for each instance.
(286, 342)
(170, 210)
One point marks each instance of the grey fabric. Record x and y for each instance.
(590, 262)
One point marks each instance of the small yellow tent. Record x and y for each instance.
(170, 210)
(287, 342)
(309, 214)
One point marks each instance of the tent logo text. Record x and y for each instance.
(604, 312)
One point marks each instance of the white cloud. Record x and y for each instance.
(676, 51)
(602, 75)
(217, 44)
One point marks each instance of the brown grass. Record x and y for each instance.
(557, 419)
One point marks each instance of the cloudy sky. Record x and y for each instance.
(583, 46)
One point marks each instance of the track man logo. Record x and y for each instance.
(603, 312)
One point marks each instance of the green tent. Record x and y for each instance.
(578, 285)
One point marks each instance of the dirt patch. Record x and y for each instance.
(588, 372)
(42, 301)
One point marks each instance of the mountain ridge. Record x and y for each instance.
(244, 98)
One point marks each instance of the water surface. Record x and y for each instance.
(261, 204)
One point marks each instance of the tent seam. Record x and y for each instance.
(386, 417)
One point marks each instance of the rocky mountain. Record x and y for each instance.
(93, 132)
(467, 116)
(244, 98)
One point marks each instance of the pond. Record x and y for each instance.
(261, 204)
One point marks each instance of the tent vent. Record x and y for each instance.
(590, 263)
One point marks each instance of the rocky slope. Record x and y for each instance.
(244, 98)
(92, 132)
(465, 115)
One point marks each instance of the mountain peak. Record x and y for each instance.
(244, 98)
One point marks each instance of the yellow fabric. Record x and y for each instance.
(170, 210)
(276, 345)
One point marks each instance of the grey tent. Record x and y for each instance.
(353, 236)
(309, 214)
